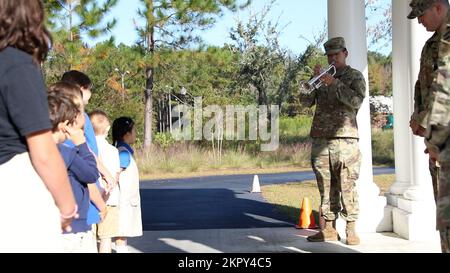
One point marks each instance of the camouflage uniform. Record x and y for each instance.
(335, 154)
(437, 114)
(438, 134)
(422, 91)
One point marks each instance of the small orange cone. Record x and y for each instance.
(306, 219)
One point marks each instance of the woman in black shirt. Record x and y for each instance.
(36, 200)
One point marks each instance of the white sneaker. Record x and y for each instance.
(122, 249)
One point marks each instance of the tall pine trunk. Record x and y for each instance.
(148, 117)
(148, 121)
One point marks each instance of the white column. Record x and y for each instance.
(411, 195)
(421, 179)
(402, 99)
(346, 18)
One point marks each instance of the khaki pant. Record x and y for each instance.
(443, 200)
(336, 163)
(445, 240)
(109, 227)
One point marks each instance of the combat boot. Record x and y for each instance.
(352, 237)
(329, 233)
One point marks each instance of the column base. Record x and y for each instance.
(415, 220)
(399, 187)
(392, 199)
(396, 191)
(415, 193)
(375, 216)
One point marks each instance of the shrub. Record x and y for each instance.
(383, 147)
(164, 140)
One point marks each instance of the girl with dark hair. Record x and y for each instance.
(33, 178)
(130, 222)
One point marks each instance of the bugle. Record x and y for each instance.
(316, 82)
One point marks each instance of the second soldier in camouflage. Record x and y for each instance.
(438, 127)
(425, 12)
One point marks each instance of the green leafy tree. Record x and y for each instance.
(205, 72)
(115, 91)
(71, 22)
(299, 71)
(173, 24)
(52, 11)
(264, 67)
(80, 17)
(260, 55)
(380, 74)
(380, 29)
(66, 56)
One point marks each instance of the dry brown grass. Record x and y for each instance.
(224, 171)
(187, 160)
(384, 182)
(288, 197)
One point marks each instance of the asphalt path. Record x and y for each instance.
(215, 202)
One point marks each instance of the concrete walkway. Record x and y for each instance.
(270, 240)
(220, 215)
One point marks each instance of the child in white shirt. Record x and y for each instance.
(108, 228)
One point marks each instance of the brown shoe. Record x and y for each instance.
(325, 235)
(352, 237)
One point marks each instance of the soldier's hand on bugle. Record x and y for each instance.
(327, 79)
(317, 70)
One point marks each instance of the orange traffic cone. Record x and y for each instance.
(306, 219)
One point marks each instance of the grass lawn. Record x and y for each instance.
(230, 171)
(288, 197)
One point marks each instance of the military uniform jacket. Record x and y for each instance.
(438, 129)
(337, 105)
(422, 91)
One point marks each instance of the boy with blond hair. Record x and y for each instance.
(110, 155)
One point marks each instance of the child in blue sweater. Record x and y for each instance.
(66, 115)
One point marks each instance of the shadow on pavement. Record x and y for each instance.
(219, 220)
(187, 209)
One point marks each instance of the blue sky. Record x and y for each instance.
(300, 18)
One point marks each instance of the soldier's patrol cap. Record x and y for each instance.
(334, 45)
(419, 7)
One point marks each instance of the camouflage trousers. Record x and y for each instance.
(443, 201)
(336, 163)
(445, 240)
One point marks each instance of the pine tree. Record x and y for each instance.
(174, 24)
(72, 22)
(80, 17)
